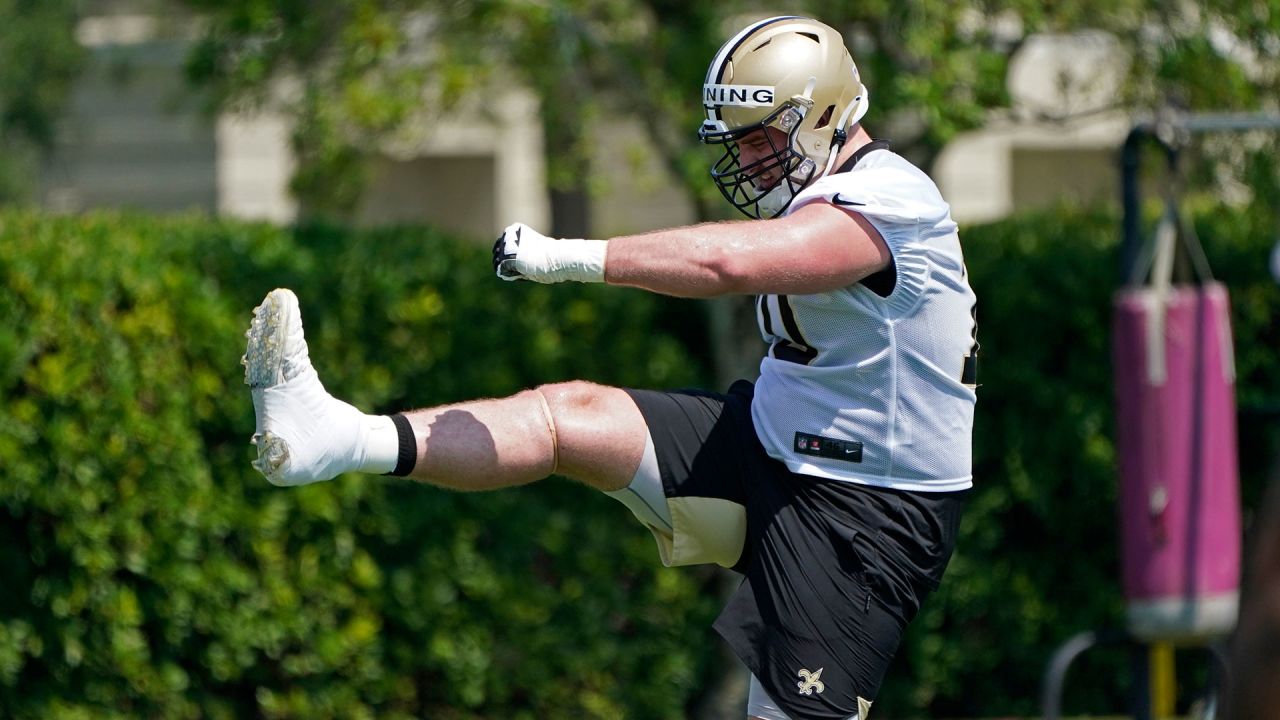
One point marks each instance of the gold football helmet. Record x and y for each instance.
(789, 73)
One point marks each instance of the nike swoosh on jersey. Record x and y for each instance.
(847, 203)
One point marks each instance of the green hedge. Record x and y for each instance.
(149, 572)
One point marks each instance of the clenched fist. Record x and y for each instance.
(522, 253)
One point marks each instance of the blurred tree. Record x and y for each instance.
(39, 58)
(936, 68)
(360, 69)
(352, 73)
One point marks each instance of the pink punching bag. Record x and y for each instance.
(1174, 375)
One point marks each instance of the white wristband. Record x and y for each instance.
(522, 253)
(576, 260)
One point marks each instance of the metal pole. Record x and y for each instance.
(1229, 122)
(1169, 131)
(1055, 674)
(1139, 682)
(1131, 227)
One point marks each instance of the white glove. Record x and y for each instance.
(522, 253)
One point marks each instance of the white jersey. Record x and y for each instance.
(870, 389)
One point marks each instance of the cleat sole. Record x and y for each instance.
(264, 354)
(263, 363)
(273, 453)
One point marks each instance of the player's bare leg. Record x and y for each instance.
(588, 432)
(591, 433)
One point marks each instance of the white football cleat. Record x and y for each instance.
(303, 434)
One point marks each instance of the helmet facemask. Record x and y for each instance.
(764, 188)
(791, 78)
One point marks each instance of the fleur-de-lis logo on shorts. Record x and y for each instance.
(811, 682)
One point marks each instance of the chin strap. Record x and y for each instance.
(838, 140)
(847, 119)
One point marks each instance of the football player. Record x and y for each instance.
(833, 481)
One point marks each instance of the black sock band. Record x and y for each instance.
(408, 455)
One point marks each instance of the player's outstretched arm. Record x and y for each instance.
(815, 249)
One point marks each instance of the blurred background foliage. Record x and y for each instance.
(353, 74)
(39, 59)
(149, 572)
(355, 70)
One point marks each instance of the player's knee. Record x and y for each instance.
(574, 402)
(599, 434)
(593, 423)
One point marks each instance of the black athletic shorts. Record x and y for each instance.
(833, 571)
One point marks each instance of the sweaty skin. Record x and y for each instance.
(816, 249)
(598, 439)
(599, 432)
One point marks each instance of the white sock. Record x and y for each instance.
(380, 444)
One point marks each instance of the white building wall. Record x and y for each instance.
(635, 191)
(475, 171)
(254, 166)
(472, 176)
(985, 174)
(1059, 141)
(136, 136)
(521, 169)
(133, 135)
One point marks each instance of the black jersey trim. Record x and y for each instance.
(790, 352)
(796, 340)
(860, 153)
(969, 375)
(766, 319)
(789, 320)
